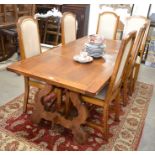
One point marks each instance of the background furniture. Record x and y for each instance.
(80, 10)
(9, 14)
(52, 31)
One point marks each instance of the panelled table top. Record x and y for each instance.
(57, 67)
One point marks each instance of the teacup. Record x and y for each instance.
(83, 54)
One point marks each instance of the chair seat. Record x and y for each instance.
(101, 94)
(37, 81)
(46, 47)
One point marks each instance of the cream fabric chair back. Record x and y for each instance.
(137, 44)
(68, 27)
(107, 25)
(121, 63)
(134, 23)
(127, 48)
(29, 40)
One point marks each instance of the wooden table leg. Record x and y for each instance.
(56, 117)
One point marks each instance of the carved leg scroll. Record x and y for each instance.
(57, 117)
(38, 107)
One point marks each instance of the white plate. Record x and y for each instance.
(80, 59)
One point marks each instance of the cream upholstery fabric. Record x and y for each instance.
(45, 47)
(133, 24)
(69, 28)
(101, 94)
(138, 60)
(107, 25)
(30, 38)
(37, 81)
(123, 61)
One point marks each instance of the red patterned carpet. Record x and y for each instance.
(18, 133)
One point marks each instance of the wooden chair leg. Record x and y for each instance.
(125, 94)
(105, 121)
(117, 108)
(130, 84)
(26, 94)
(137, 67)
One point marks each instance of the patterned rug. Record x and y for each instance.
(18, 133)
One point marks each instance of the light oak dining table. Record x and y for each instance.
(57, 68)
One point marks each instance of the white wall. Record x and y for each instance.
(93, 18)
(152, 9)
(141, 9)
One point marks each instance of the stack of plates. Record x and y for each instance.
(94, 50)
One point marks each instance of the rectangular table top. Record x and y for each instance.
(57, 67)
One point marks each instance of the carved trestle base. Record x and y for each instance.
(57, 116)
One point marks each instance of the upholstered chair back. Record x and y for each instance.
(68, 26)
(134, 23)
(121, 63)
(28, 34)
(137, 44)
(107, 25)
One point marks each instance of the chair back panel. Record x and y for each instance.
(121, 62)
(134, 23)
(27, 28)
(68, 27)
(137, 45)
(107, 25)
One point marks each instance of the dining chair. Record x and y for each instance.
(107, 25)
(135, 23)
(52, 30)
(68, 27)
(112, 91)
(29, 44)
(128, 76)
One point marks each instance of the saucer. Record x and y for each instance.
(80, 59)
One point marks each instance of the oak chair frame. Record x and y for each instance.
(28, 81)
(116, 25)
(113, 92)
(127, 79)
(141, 49)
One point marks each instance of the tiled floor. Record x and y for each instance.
(12, 85)
(147, 75)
